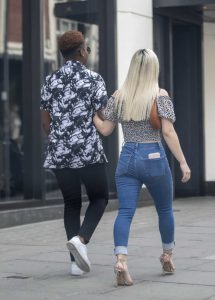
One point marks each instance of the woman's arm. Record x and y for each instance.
(171, 138)
(104, 127)
(46, 120)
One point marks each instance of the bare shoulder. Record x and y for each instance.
(163, 92)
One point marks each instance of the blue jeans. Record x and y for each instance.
(137, 166)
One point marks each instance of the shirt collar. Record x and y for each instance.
(75, 63)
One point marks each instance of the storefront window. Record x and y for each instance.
(21, 171)
(11, 119)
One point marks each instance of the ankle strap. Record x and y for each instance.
(122, 259)
(169, 252)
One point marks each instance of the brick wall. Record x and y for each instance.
(15, 20)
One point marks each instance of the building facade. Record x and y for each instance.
(181, 33)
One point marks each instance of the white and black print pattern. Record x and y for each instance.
(141, 131)
(166, 108)
(72, 95)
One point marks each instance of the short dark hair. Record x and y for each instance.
(69, 42)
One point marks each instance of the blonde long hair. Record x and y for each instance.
(135, 98)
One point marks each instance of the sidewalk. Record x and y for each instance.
(34, 262)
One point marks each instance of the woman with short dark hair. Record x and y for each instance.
(70, 97)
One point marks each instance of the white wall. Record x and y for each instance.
(2, 21)
(134, 31)
(209, 100)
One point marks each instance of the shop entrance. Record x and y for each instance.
(178, 43)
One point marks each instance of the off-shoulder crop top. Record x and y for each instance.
(141, 131)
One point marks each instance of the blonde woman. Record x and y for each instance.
(143, 159)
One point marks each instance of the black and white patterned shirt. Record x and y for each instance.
(72, 95)
(141, 131)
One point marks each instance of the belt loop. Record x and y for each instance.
(160, 145)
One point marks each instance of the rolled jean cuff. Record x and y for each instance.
(168, 246)
(120, 250)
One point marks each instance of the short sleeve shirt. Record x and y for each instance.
(72, 95)
(141, 131)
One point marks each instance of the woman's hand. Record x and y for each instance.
(186, 173)
(104, 127)
(172, 141)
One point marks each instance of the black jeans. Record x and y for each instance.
(95, 180)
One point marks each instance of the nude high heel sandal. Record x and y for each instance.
(122, 274)
(167, 263)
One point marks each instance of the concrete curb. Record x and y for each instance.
(21, 216)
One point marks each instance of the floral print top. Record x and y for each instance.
(72, 95)
(141, 131)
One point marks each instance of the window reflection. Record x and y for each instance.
(86, 21)
(11, 120)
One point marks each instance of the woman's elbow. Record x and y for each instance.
(168, 132)
(107, 128)
(106, 132)
(167, 128)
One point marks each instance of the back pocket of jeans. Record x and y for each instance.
(155, 167)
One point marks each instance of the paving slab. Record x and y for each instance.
(34, 261)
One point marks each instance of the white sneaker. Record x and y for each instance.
(75, 270)
(79, 251)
